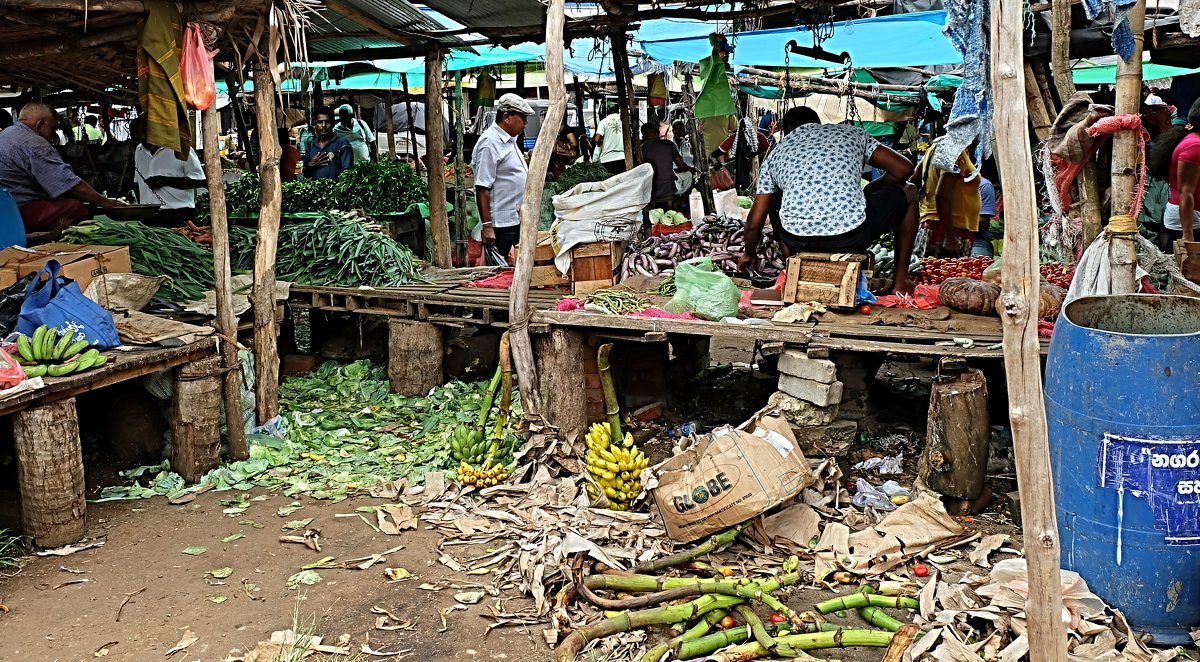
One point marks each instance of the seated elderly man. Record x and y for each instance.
(49, 194)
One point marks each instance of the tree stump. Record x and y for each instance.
(414, 357)
(955, 459)
(561, 358)
(195, 414)
(50, 473)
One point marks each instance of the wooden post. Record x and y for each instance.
(262, 296)
(699, 151)
(585, 145)
(460, 184)
(625, 94)
(520, 82)
(1125, 162)
(1060, 49)
(50, 473)
(195, 414)
(239, 118)
(412, 128)
(391, 127)
(226, 323)
(1038, 111)
(561, 356)
(954, 461)
(414, 356)
(539, 162)
(1022, 361)
(439, 222)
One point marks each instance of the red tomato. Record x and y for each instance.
(728, 622)
(865, 310)
(920, 570)
(778, 618)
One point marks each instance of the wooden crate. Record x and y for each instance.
(823, 277)
(545, 274)
(593, 266)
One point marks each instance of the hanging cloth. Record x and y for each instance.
(715, 100)
(485, 89)
(160, 83)
(656, 86)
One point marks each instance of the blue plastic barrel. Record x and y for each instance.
(1123, 410)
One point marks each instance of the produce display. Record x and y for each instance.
(616, 301)
(969, 295)
(377, 187)
(53, 353)
(154, 251)
(723, 242)
(615, 467)
(579, 173)
(202, 235)
(885, 263)
(1057, 274)
(664, 217)
(935, 271)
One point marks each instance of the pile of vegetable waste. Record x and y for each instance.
(343, 431)
(154, 251)
(721, 241)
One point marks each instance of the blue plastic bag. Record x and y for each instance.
(862, 294)
(55, 302)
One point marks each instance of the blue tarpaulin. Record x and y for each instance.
(888, 41)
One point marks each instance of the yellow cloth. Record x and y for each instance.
(966, 200)
(716, 129)
(656, 89)
(160, 84)
(485, 89)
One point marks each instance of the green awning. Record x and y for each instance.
(1106, 74)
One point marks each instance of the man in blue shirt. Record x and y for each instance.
(327, 155)
(987, 211)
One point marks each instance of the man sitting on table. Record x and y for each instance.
(163, 179)
(49, 194)
(327, 155)
(817, 170)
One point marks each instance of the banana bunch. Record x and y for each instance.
(468, 445)
(52, 353)
(487, 475)
(616, 468)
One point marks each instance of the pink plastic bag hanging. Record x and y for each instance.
(196, 66)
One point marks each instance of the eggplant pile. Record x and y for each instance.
(722, 241)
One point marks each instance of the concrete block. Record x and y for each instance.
(795, 363)
(815, 392)
(802, 413)
(833, 440)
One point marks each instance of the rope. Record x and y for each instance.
(1111, 125)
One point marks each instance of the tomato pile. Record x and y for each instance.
(935, 270)
(1056, 274)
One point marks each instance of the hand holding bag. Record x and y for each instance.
(54, 302)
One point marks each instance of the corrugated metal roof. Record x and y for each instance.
(397, 15)
(493, 17)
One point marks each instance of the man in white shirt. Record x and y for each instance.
(162, 179)
(610, 136)
(500, 174)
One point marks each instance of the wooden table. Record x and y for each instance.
(46, 432)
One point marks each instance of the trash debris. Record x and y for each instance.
(232, 537)
(397, 574)
(195, 550)
(288, 645)
(885, 465)
(68, 550)
(469, 597)
(187, 640)
(303, 578)
(393, 519)
(221, 573)
(880, 498)
(311, 538)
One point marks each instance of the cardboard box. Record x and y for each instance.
(730, 477)
(80, 263)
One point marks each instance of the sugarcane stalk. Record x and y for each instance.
(575, 642)
(505, 386)
(761, 635)
(685, 587)
(856, 600)
(901, 642)
(698, 630)
(804, 642)
(610, 394)
(487, 400)
(879, 618)
(715, 543)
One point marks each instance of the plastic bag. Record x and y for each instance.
(57, 302)
(992, 273)
(594, 212)
(196, 68)
(879, 498)
(11, 373)
(703, 289)
(11, 299)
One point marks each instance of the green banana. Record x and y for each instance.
(48, 340)
(60, 369)
(101, 361)
(24, 348)
(36, 345)
(61, 346)
(75, 348)
(35, 370)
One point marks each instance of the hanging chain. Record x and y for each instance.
(786, 88)
(851, 102)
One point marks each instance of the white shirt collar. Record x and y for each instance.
(504, 135)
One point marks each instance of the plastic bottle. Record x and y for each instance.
(696, 205)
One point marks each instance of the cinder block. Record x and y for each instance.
(833, 440)
(795, 363)
(815, 392)
(801, 413)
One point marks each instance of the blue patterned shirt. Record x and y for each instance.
(819, 167)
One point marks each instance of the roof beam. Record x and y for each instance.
(352, 13)
(127, 6)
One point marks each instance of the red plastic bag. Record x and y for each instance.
(11, 372)
(196, 67)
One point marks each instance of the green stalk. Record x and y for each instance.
(650, 583)
(761, 635)
(505, 388)
(714, 543)
(754, 650)
(577, 640)
(610, 394)
(879, 618)
(698, 630)
(856, 600)
(487, 400)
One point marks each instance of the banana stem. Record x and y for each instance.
(801, 642)
(879, 618)
(487, 400)
(761, 635)
(698, 630)
(575, 642)
(650, 584)
(506, 387)
(716, 542)
(610, 394)
(856, 600)
(901, 642)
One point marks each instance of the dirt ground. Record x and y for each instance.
(50, 621)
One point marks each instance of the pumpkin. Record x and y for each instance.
(1050, 300)
(969, 295)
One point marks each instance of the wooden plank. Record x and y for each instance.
(50, 473)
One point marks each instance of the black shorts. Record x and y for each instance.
(886, 208)
(506, 238)
(614, 167)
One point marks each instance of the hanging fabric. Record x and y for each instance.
(715, 99)
(160, 84)
(656, 89)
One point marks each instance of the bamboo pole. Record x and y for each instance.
(539, 162)
(1126, 162)
(1022, 361)
(226, 322)
(391, 127)
(439, 221)
(262, 296)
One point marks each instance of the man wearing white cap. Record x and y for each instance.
(500, 174)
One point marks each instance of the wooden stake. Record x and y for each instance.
(954, 461)
(391, 127)
(210, 129)
(1060, 50)
(50, 473)
(262, 296)
(412, 128)
(1022, 362)
(625, 93)
(1038, 111)
(1126, 160)
(195, 414)
(539, 162)
(439, 222)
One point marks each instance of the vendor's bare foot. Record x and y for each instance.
(903, 286)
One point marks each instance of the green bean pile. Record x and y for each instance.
(154, 251)
(665, 288)
(618, 300)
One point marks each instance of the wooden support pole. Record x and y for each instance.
(239, 118)
(262, 296)
(1038, 112)
(585, 145)
(460, 184)
(195, 414)
(210, 129)
(50, 473)
(1060, 49)
(561, 355)
(699, 151)
(539, 162)
(1126, 161)
(1022, 361)
(439, 221)
(520, 82)
(412, 125)
(391, 127)
(626, 98)
(414, 356)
